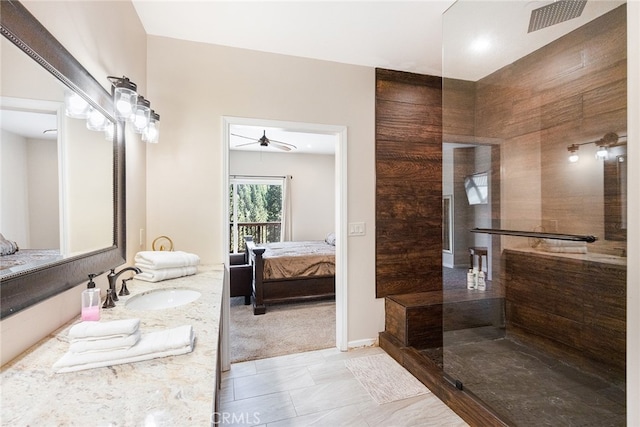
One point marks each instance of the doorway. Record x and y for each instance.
(339, 134)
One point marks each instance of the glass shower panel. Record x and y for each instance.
(534, 172)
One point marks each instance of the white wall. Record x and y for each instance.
(195, 85)
(312, 187)
(44, 218)
(14, 216)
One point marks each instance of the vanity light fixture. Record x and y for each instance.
(573, 149)
(96, 120)
(125, 97)
(609, 140)
(141, 115)
(75, 106)
(152, 132)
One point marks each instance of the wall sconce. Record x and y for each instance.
(608, 140)
(125, 97)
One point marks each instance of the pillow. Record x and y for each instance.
(7, 247)
(331, 239)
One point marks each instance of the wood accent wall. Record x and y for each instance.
(408, 183)
(570, 91)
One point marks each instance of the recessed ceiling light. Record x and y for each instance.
(481, 44)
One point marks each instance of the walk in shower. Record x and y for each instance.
(534, 180)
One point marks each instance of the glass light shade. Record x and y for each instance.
(110, 132)
(125, 101)
(602, 153)
(141, 115)
(75, 106)
(151, 133)
(96, 120)
(573, 158)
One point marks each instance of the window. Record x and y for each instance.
(255, 210)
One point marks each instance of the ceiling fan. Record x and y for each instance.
(265, 142)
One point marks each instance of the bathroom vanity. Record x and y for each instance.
(169, 391)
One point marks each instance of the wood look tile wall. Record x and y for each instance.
(408, 183)
(570, 91)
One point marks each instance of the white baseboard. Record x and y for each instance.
(368, 342)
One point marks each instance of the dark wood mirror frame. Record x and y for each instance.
(33, 286)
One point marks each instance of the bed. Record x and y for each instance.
(25, 259)
(291, 271)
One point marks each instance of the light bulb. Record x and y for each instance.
(602, 153)
(96, 120)
(573, 158)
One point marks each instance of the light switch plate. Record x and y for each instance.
(357, 229)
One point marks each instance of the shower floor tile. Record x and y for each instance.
(527, 386)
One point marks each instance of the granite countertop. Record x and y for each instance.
(169, 391)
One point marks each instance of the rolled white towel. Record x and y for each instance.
(103, 330)
(155, 260)
(170, 342)
(119, 343)
(166, 273)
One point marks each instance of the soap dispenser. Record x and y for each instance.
(91, 301)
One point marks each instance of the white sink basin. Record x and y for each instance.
(159, 299)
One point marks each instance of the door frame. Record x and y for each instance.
(341, 186)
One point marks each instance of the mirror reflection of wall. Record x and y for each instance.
(57, 188)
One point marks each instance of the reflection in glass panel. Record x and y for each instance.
(544, 344)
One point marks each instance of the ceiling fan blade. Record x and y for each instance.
(285, 143)
(245, 137)
(280, 145)
(248, 143)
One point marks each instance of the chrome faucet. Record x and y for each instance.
(112, 277)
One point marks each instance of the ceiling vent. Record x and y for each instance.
(555, 13)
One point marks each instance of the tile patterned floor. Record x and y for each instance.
(317, 389)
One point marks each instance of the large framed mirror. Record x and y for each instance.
(87, 209)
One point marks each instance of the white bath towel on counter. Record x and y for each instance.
(91, 331)
(155, 260)
(118, 343)
(170, 342)
(166, 273)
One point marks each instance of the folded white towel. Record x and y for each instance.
(563, 246)
(119, 343)
(170, 342)
(166, 273)
(563, 243)
(154, 260)
(103, 330)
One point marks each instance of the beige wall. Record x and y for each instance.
(195, 85)
(312, 187)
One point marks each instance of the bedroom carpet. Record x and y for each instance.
(384, 379)
(283, 329)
